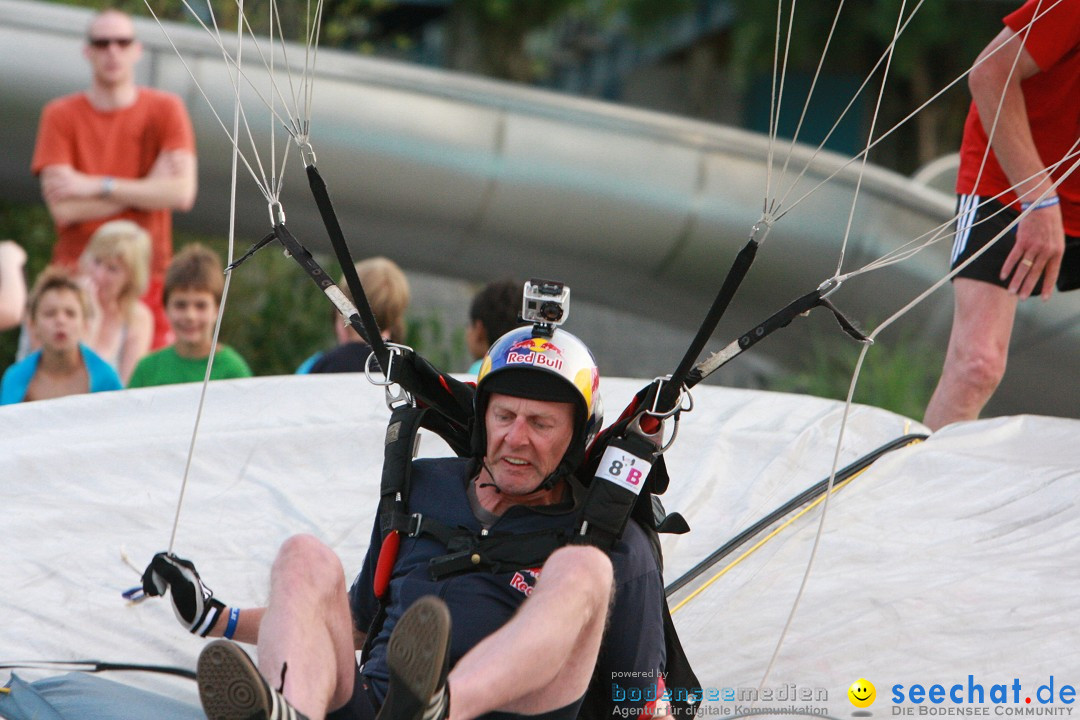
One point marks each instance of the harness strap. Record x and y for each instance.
(398, 452)
(400, 446)
(468, 552)
(614, 490)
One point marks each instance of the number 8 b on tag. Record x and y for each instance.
(623, 468)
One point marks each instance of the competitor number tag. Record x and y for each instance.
(623, 468)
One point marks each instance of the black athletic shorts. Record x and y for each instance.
(364, 706)
(978, 221)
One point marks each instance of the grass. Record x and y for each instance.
(898, 374)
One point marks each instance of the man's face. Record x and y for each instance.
(112, 50)
(526, 439)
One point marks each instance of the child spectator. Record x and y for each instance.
(193, 286)
(12, 284)
(493, 313)
(116, 265)
(387, 291)
(59, 316)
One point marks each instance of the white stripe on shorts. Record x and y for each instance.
(965, 219)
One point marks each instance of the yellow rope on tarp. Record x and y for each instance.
(761, 542)
(774, 533)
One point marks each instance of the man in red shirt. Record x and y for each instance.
(117, 150)
(1019, 152)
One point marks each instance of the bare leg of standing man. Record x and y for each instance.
(978, 350)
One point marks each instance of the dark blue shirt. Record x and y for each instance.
(480, 602)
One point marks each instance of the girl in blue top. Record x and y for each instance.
(59, 315)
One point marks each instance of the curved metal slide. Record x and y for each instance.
(472, 178)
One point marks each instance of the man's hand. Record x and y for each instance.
(1039, 248)
(194, 604)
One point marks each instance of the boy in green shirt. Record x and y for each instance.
(193, 286)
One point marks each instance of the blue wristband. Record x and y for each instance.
(230, 629)
(1042, 204)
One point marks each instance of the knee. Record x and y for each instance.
(306, 561)
(982, 368)
(582, 573)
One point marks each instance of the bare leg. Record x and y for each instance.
(978, 349)
(543, 658)
(309, 626)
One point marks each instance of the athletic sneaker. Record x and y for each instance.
(231, 687)
(419, 658)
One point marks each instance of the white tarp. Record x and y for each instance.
(945, 559)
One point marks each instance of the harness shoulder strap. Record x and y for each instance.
(398, 451)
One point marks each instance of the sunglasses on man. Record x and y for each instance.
(103, 43)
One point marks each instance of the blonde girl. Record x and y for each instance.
(116, 266)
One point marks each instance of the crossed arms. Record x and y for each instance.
(73, 196)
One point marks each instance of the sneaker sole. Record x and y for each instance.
(419, 649)
(230, 685)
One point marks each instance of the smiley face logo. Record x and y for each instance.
(862, 693)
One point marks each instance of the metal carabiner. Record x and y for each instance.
(830, 286)
(392, 397)
(277, 213)
(635, 425)
(307, 153)
(684, 396)
(685, 404)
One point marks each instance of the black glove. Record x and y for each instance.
(193, 602)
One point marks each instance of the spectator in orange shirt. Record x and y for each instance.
(116, 150)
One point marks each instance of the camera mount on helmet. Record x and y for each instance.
(545, 304)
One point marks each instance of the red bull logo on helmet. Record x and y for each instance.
(539, 345)
(535, 351)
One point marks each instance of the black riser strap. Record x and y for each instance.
(373, 336)
(739, 269)
(301, 255)
(777, 320)
(780, 319)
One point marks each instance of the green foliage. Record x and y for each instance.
(494, 32)
(647, 14)
(899, 375)
(31, 227)
(943, 34)
(426, 333)
(935, 48)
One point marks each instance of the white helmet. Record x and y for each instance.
(559, 368)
